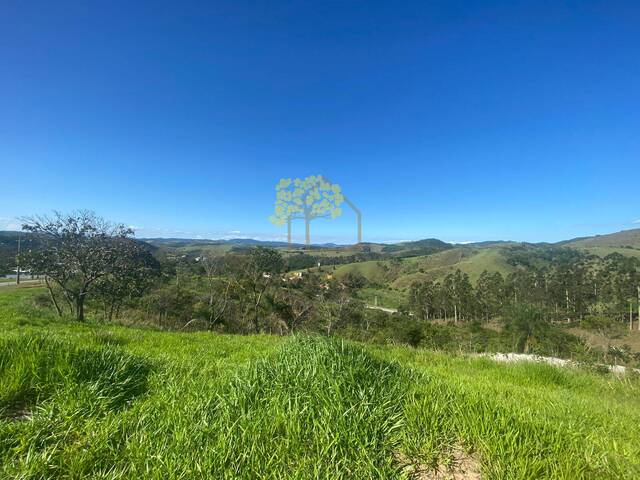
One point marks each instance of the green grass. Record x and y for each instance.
(374, 270)
(525, 420)
(472, 261)
(111, 402)
(386, 298)
(488, 259)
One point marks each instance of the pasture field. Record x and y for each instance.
(472, 261)
(386, 297)
(114, 402)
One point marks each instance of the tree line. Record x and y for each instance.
(566, 284)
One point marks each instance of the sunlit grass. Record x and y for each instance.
(526, 420)
(97, 401)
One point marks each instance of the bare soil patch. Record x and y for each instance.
(17, 413)
(455, 464)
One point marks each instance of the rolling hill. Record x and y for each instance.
(400, 274)
(626, 242)
(623, 239)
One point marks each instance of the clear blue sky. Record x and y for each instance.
(458, 120)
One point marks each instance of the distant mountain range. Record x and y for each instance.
(194, 241)
(248, 242)
(622, 239)
(626, 242)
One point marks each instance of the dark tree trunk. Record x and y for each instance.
(80, 308)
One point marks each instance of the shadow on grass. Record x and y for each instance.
(35, 368)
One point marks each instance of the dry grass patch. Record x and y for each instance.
(456, 463)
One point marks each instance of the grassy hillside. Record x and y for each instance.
(401, 274)
(625, 238)
(626, 242)
(377, 271)
(470, 261)
(383, 297)
(98, 401)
